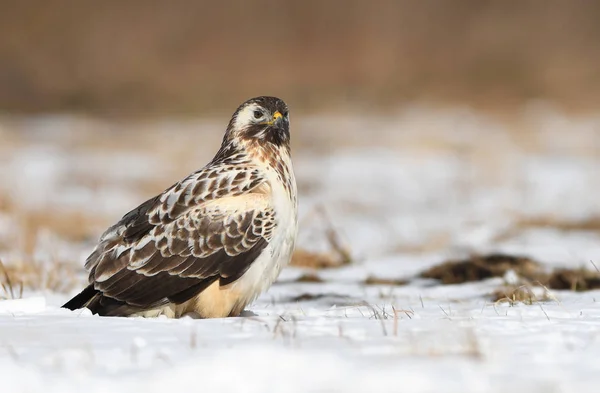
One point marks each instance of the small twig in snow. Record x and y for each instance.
(444, 311)
(544, 311)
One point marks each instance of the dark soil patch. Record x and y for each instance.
(309, 277)
(574, 280)
(372, 280)
(481, 267)
(330, 298)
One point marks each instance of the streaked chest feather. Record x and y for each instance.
(220, 301)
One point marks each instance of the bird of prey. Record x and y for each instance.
(211, 243)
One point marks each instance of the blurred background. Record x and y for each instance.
(191, 57)
(420, 128)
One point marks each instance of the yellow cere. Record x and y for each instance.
(276, 116)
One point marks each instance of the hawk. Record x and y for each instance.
(211, 243)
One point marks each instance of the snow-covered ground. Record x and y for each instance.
(404, 193)
(453, 341)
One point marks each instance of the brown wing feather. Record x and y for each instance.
(175, 261)
(239, 178)
(172, 246)
(232, 177)
(153, 291)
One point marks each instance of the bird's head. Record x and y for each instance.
(260, 120)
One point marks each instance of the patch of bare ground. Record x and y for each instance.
(589, 224)
(481, 267)
(574, 280)
(331, 298)
(309, 278)
(337, 255)
(534, 282)
(435, 242)
(374, 280)
(312, 277)
(318, 260)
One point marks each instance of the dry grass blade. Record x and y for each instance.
(518, 294)
(55, 276)
(335, 242)
(6, 283)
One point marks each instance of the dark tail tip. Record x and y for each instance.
(82, 299)
(97, 303)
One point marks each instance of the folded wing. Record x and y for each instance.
(209, 227)
(174, 262)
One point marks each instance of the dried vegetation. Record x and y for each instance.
(338, 254)
(534, 281)
(481, 267)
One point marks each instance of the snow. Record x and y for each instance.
(461, 344)
(420, 187)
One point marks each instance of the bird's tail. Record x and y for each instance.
(82, 299)
(97, 303)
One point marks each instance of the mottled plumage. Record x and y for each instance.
(211, 243)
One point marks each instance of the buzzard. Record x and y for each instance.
(211, 243)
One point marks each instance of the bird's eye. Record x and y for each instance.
(285, 114)
(258, 114)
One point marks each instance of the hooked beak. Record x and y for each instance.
(277, 119)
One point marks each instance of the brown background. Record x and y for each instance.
(188, 57)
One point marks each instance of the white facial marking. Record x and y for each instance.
(246, 116)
